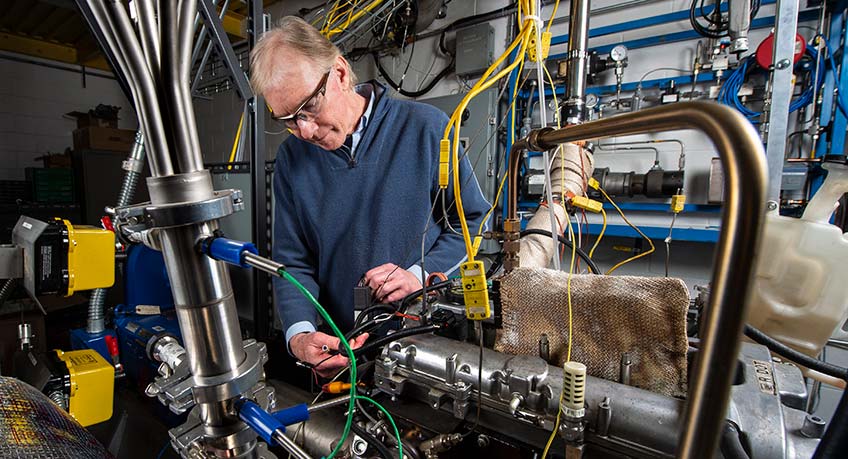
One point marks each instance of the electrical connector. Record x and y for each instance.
(546, 45)
(593, 184)
(585, 203)
(335, 387)
(677, 203)
(444, 168)
(475, 290)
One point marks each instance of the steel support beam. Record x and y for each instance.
(777, 111)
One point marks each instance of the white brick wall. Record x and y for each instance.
(33, 101)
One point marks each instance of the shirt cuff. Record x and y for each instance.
(417, 272)
(303, 326)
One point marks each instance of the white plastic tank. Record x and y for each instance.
(800, 292)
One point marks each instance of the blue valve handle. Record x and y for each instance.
(265, 423)
(228, 250)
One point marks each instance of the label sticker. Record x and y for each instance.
(765, 379)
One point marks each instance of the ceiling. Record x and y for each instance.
(55, 30)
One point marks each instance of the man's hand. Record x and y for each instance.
(391, 283)
(314, 348)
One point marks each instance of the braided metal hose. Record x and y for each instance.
(133, 166)
(7, 289)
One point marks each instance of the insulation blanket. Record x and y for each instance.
(643, 316)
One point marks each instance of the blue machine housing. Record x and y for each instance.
(148, 313)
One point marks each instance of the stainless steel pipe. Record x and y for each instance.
(745, 180)
(578, 62)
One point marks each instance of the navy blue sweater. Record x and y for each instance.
(337, 217)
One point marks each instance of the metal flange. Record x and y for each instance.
(144, 216)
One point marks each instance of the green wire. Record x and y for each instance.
(392, 421)
(350, 409)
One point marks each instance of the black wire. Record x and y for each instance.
(377, 307)
(422, 291)
(479, 330)
(421, 91)
(580, 253)
(406, 332)
(372, 441)
(795, 356)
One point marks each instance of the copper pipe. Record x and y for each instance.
(743, 161)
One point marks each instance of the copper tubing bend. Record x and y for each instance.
(744, 162)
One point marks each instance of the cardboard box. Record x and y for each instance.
(103, 138)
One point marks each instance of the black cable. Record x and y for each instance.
(408, 298)
(421, 91)
(405, 333)
(367, 311)
(580, 253)
(479, 329)
(795, 356)
(372, 441)
(835, 441)
(731, 442)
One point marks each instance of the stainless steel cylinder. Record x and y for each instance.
(578, 59)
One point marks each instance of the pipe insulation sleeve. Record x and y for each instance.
(570, 169)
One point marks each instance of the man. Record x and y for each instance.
(355, 185)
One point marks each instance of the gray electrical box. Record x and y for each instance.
(478, 128)
(475, 49)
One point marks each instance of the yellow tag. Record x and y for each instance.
(475, 290)
(444, 157)
(588, 204)
(677, 203)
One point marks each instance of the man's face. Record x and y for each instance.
(318, 114)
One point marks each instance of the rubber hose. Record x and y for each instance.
(8, 288)
(406, 332)
(795, 356)
(835, 441)
(731, 442)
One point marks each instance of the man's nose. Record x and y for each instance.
(306, 128)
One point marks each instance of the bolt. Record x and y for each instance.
(782, 64)
(482, 441)
(813, 426)
(771, 205)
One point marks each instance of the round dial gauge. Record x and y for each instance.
(619, 53)
(591, 100)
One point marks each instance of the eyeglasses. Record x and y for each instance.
(307, 111)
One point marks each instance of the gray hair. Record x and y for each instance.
(267, 66)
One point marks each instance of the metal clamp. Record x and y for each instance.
(180, 391)
(140, 217)
(133, 165)
(224, 203)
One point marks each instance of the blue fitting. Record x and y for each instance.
(228, 250)
(292, 414)
(265, 423)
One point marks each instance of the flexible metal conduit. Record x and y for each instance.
(743, 161)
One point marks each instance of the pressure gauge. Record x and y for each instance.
(591, 100)
(619, 53)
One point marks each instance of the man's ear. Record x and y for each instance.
(342, 69)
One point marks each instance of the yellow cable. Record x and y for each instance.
(600, 235)
(650, 242)
(480, 86)
(353, 18)
(236, 142)
(495, 204)
(570, 333)
(553, 15)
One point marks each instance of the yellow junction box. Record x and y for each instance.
(91, 258)
(92, 385)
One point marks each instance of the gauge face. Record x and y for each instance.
(591, 100)
(619, 53)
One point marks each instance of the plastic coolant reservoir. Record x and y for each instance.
(800, 292)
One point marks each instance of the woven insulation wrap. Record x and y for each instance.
(643, 316)
(32, 426)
